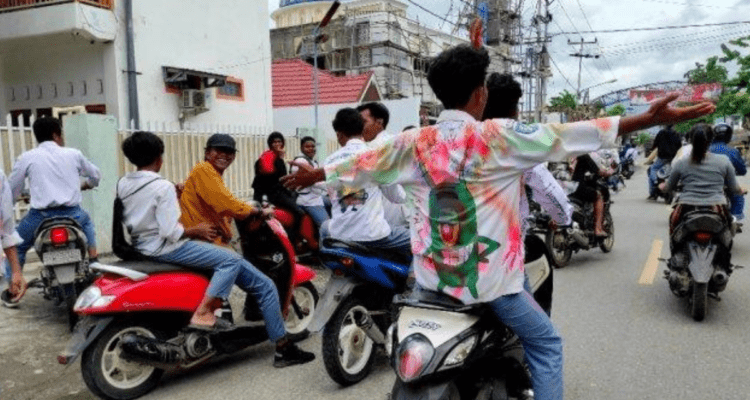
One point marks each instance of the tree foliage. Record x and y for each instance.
(564, 102)
(617, 109)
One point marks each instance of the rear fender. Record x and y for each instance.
(337, 290)
(173, 291)
(439, 326)
(701, 261)
(86, 331)
(302, 274)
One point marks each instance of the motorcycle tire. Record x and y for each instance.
(348, 352)
(404, 391)
(70, 295)
(493, 390)
(304, 300)
(101, 366)
(699, 300)
(559, 256)
(609, 227)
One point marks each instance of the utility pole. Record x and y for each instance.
(581, 56)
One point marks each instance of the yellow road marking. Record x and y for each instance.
(652, 264)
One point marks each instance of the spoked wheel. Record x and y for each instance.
(111, 377)
(557, 244)
(302, 309)
(609, 227)
(347, 350)
(699, 300)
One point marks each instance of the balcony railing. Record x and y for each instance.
(13, 5)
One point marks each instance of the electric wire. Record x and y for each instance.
(656, 28)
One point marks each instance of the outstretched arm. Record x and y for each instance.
(661, 113)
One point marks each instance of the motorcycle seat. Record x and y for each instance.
(424, 298)
(330, 244)
(50, 222)
(153, 267)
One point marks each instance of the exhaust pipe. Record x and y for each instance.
(578, 235)
(154, 352)
(720, 279)
(366, 323)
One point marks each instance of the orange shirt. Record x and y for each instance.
(206, 199)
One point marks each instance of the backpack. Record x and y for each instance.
(121, 245)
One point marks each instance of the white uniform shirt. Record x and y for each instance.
(152, 215)
(548, 194)
(8, 235)
(356, 215)
(394, 195)
(54, 174)
(313, 195)
(463, 182)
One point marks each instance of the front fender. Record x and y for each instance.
(86, 331)
(337, 289)
(424, 391)
(701, 261)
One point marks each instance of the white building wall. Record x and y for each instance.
(229, 38)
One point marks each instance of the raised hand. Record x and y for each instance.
(662, 114)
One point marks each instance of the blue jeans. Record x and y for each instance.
(317, 213)
(656, 166)
(230, 268)
(541, 342)
(738, 206)
(34, 218)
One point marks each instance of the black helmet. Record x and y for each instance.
(722, 133)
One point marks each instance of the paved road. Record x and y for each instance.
(624, 340)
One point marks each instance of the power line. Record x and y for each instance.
(597, 45)
(429, 11)
(651, 29)
(561, 73)
(685, 4)
(667, 46)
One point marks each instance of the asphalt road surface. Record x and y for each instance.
(626, 336)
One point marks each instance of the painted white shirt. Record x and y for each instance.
(151, 215)
(548, 194)
(8, 235)
(356, 215)
(394, 195)
(54, 174)
(463, 184)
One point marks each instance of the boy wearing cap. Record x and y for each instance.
(205, 198)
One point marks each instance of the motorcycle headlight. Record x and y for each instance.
(92, 298)
(413, 356)
(459, 353)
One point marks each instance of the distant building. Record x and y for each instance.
(194, 62)
(368, 35)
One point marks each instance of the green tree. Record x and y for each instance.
(564, 102)
(617, 109)
(711, 72)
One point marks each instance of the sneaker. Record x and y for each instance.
(652, 197)
(291, 355)
(7, 299)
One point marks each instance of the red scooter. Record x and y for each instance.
(134, 318)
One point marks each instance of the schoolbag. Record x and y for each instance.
(121, 246)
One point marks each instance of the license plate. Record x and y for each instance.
(61, 257)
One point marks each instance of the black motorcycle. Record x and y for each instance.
(700, 264)
(662, 175)
(563, 241)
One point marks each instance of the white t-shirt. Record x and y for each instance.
(313, 195)
(356, 215)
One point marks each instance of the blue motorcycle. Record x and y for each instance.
(355, 309)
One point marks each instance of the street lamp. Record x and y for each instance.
(586, 97)
(316, 38)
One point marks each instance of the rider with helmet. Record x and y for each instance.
(720, 145)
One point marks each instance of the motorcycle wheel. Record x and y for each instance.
(348, 352)
(494, 390)
(304, 300)
(699, 300)
(403, 391)
(557, 245)
(70, 295)
(609, 227)
(110, 377)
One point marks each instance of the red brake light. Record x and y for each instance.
(410, 365)
(58, 236)
(348, 262)
(702, 237)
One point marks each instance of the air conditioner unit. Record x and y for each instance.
(193, 99)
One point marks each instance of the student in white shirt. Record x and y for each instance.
(358, 216)
(310, 200)
(54, 174)
(10, 239)
(376, 117)
(151, 212)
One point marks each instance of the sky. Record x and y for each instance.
(631, 58)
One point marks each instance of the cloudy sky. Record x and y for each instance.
(632, 58)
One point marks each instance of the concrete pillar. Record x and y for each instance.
(96, 136)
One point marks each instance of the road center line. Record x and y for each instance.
(652, 264)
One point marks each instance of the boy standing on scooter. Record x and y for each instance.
(54, 174)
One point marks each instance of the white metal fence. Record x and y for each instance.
(183, 148)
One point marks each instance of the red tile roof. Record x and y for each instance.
(293, 85)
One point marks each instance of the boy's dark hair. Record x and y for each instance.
(305, 140)
(273, 136)
(408, 127)
(142, 148)
(503, 93)
(377, 110)
(455, 73)
(348, 122)
(45, 128)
